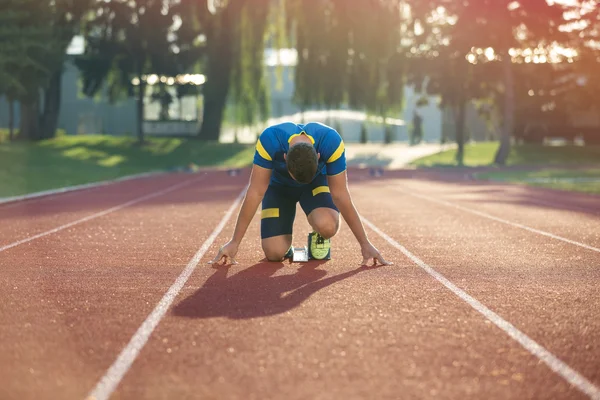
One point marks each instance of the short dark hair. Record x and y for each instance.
(302, 162)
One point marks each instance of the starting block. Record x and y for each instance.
(300, 254)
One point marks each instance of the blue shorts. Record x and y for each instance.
(279, 205)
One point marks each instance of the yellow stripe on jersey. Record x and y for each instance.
(337, 154)
(261, 150)
(320, 189)
(312, 139)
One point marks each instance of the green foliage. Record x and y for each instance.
(4, 135)
(449, 60)
(35, 36)
(277, 34)
(27, 53)
(482, 154)
(125, 40)
(586, 180)
(344, 58)
(249, 89)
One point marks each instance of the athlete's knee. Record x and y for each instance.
(274, 255)
(275, 252)
(327, 225)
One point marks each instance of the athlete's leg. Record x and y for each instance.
(322, 214)
(324, 221)
(277, 221)
(276, 247)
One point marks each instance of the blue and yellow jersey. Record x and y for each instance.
(274, 142)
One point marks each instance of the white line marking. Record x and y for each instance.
(119, 368)
(67, 189)
(489, 216)
(556, 365)
(101, 213)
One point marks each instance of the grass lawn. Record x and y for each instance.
(3, 135)
(585, 180)
(72, 160)
(559, 165)
(482, 154)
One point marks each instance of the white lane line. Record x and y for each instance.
(556, 365)
(504, 221)
(68, 189)
(101, 213)
(113, 376)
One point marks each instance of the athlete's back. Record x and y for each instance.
(274, 141)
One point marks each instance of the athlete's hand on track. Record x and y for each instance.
(370, 252)
(229, 250)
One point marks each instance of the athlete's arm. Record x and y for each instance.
(335, 156)
(338, 186)
(259, 182)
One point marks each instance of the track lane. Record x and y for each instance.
(269, 330)
(517, 204)
(26, 219)
(258, 330)
(70, 301)
(547, 288)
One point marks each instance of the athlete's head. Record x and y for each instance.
(302, 161)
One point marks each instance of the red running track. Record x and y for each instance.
(73, 299)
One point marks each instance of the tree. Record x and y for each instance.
(513, 24)
(26, 58)
(18, 40)
(66, 20)
(583, 80)
(36, 35)
(344, 58)
(216, 21)
(127, 41)
(467, 29)
(249, 91)
(438, 63)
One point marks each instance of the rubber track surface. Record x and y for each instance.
(71, 300)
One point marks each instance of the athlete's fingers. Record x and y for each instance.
(365, 261)
(228, 259)
(218, 258)
(378, 258)
(383, 261)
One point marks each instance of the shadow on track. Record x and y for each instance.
(255, 292)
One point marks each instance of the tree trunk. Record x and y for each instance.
(364, 135)
(140, 111)
(11, 119)
(460, 118)
(509, 111)
(30, 119)
(220, 63)
(52, 95)
(180, 100)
